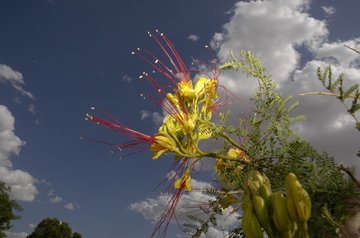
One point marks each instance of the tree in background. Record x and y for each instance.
(53, 228)
(6, 209)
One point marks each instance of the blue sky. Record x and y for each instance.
(59, 58)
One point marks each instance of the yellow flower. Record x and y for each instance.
(204, 132)
(206, 108)
(184, 182)
(186, 89)
(199, 86)
(220, 166)
(211, 87)
(162, 144)
(236, 153)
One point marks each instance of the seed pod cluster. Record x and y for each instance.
(298, 203)
(273, 213)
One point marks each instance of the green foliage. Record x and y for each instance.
(196, 227)
(337, 89)
(6, 209)
(274, 149)
(53, 228)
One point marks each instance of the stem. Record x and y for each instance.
(303, 230)
(325, 93)
(220, 156)
(349, 172)
(220, 192)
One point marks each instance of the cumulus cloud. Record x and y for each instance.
(15, 78)
(32, 109)
(328, 10)
(15, 234)
(21, 182)
(152, 208)
(126, 78)
(275, 31)
(155, 116)
(193, 37)
(71, 206)
(335, 53)
(56, 199)
(9, 142)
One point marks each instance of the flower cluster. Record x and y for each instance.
(189, 106)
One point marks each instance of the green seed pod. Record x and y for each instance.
(280, 215)
(298, 200)
(262, 213)
(265, 193)
(250, 224)
(253, 176)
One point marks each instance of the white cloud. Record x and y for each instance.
(328, 10)
(8, 75)
(32, 109)
(336, 53)
(9, 142)
(56, 199)
(193, 37)
(51, 192)
(126, 78)
(22, 183)
(274, 31)
(15, 234)
(71, 206)
(271, 30)
(152, 208)
(155, 116)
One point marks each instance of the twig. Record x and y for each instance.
(352, 49)
(349, 172)
(329, 94)
(219, 192)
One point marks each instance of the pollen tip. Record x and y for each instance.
(81, 137)
(92, 108)
(140, 77)
(156, 61)
(138, 48)
(132, 52)
(206, 46)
